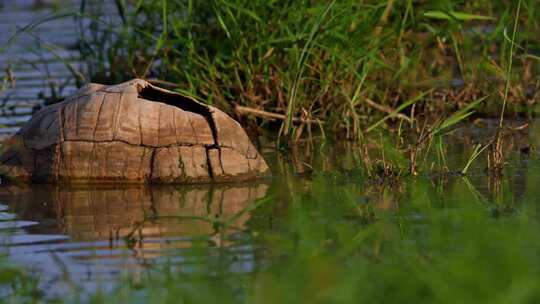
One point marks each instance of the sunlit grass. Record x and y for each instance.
(348, 63)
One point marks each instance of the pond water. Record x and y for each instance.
(37, 55)
(88, 236)
(83, 239)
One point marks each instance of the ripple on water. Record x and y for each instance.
(91, 235)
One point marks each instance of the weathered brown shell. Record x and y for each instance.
(132, 132)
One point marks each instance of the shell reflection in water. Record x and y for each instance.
(135, 212)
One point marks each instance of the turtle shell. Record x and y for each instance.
(132, 132)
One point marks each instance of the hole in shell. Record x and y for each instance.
(153, 94)
(176, 100)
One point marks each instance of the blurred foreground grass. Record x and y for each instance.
(332, 245)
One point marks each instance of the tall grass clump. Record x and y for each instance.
(337, 65)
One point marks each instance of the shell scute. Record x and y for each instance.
(166, 131)
(128, 123)
(87, 113)
(106, 118)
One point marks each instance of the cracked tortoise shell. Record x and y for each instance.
(132, 132)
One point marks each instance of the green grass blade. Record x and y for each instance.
(401, 107)
(459, 115)
(460, 16)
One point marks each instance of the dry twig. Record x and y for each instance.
(269, 115)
